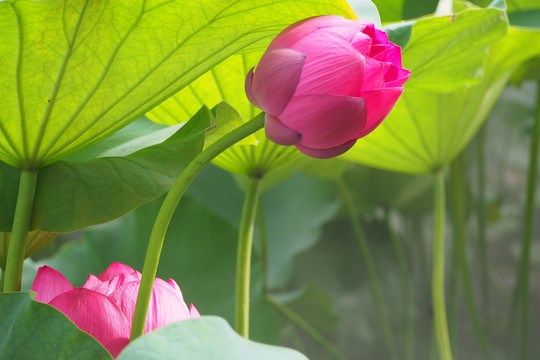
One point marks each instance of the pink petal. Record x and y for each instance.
(325, 121)
(115, 269)
(165, 305)
(276, 78)
(378, 36)
(193, 312)
(92, 282)
(326, 153)
(49, 283)
(396, 76)
(279, 133)
(249, 91)
(332, 65)
(108, 287)
(391, 54)
(378, 104)
(374, 75)
(97, 315)
(297, 31)
(175, 288)
(362, 43)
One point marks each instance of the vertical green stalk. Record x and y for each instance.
(521, 296)
(458, 230)
(407, 287)
(155, 244)
(372, 270)
(437, 284)
(243, 261)
(481, 225)
(262, 243)
(19, 230)
(305, 326)
(458, 201)
(454, 295)
(2, 278)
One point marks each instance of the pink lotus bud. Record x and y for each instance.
(104, 306)
(325, 82)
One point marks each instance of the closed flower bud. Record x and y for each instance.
(325, 82)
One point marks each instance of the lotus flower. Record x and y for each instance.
(104, 305)
(325, 82)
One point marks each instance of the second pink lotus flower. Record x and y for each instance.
(104, 305)
(325, 82)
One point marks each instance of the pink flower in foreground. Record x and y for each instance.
(104, 306)
(325, 82)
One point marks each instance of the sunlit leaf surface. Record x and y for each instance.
(74, 72)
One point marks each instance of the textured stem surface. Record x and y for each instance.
(19, 230)
(166, 212)
(437, 284)
(243, 261)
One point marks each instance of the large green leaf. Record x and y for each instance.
(447, 53)
(527, 18)
(72, 195)
(396, 10)
(427, 129)
(74, 72)
(522, 4)
(202, 339)
(33, 330)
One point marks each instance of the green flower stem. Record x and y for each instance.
(437, 284)
(407, 287)
(481, 224)
(243, 261)
(19, 230)
(305, 326)
(262, 243)
(2, 278)
(370, 265)
(167, 209)
(521, 296)
(458, 201)
(454, 308)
